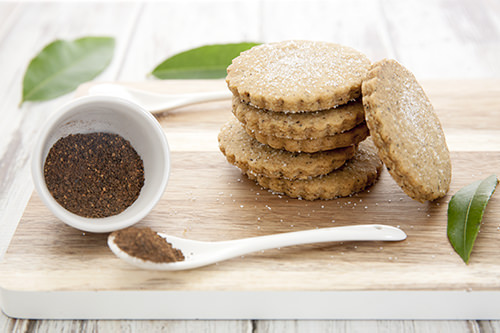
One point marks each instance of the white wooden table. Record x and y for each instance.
(435, 39)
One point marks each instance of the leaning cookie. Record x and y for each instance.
(406, 131)
(297, 76)
(303, 125)
(354, 176)
(341, 140)
(251, 156)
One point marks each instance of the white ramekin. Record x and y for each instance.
(112, 115)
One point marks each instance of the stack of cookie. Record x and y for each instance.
(300, 121)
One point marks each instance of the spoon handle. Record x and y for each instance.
(157, 102)
(372, 232)
(208, 96)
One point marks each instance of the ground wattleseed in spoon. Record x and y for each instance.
(94, 175)
(146, 244)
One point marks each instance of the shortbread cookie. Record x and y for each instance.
(345, 139)
(303, 125)
(406, 131)
(355, 175)
(249, 155)
(297, 76)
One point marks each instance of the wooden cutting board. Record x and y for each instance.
(54, 271)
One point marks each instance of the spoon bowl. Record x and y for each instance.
(200, 253)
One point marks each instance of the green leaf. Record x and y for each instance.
(205, 62)
(63, 65)
(465, 212)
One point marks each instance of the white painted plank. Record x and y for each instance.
(488, 326)
(6, 323)
(166, 28)
(354, 23)
(8, 14)
(409, 326)
(209, 326)
(46, 326)
(124, 326)
(444, 39)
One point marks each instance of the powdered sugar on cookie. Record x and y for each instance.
(406, 131)
(298, 76)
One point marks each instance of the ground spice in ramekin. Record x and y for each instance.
(146, 244)
(94, 175)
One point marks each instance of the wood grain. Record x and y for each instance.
(296, 326)
(208, 199)
(129, 326)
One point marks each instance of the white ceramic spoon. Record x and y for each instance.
(154, 102)
(198, 253)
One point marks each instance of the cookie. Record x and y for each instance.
(296, 76)
(251, 156)
(345, 139)
(406, 131)
(355, 175)
(300, 126)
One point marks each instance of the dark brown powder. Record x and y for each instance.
(94, 175)
(146, 244)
